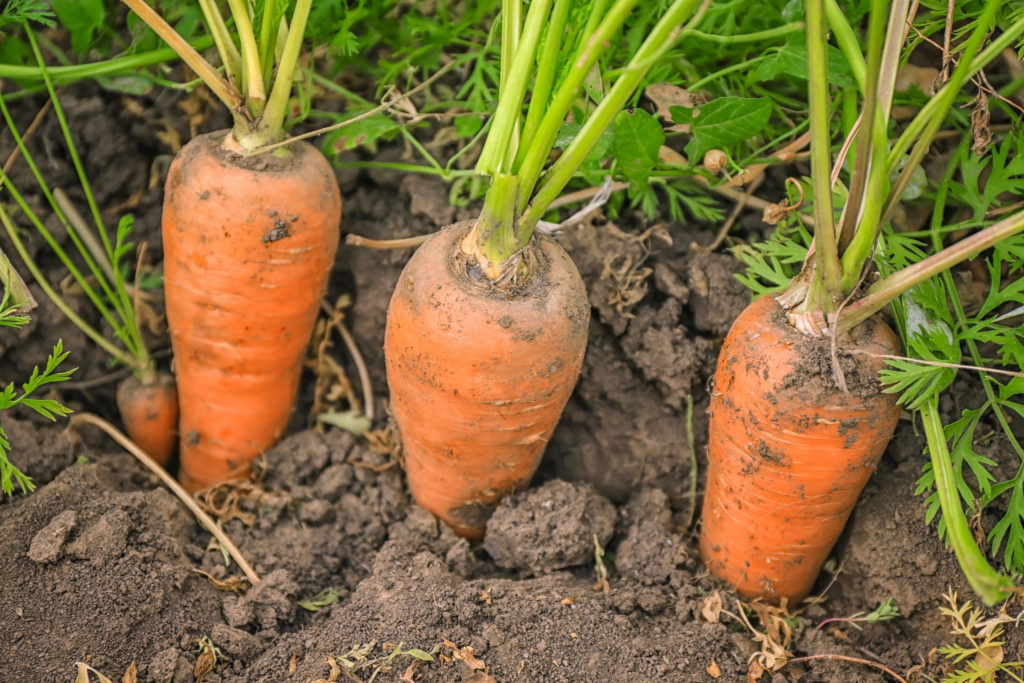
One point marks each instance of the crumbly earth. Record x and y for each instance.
(102, 565)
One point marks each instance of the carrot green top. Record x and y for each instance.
(258, 70)
(517, 149)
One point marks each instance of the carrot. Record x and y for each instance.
(150, 414)
(248, 244)
(789, 452)
(479, 377)
(487, 326)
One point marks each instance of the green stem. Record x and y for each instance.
(408, 168)
(935, 108)
(536, 154)
(253, 87)
(58, 301)
(870, 120)
(498, 148)
(825, 287)
(545, 78)
(271, 126)
(222, 39)
(945, 98)
(739, 66)
(119, 297)
(268, 39)
(859, 236)
(48, 237)
(888, 288)
(663, 33)
(992, 586)
(496, 229)
(224, 91)
(109, 67)
(754, 37)
(848, 42)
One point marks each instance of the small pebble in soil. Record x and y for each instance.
(550, 527)
(47, 544)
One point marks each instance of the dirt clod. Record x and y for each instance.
(548, 528)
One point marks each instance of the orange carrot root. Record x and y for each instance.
(248, 245)
(479, 377)
(150, 414)
(788, 452)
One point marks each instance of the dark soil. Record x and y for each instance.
(101, 565)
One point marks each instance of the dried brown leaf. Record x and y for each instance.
(236, 584)
(131, 675)
(667, 155)
(204, 665)
(711, 610)
(83, 674)
(293, 664)
(980, 128)
(713, 669)
(335, 672)
(665, 95)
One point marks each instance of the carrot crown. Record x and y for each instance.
(550, 52)
(259, 60)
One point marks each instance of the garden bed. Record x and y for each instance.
(101, 565)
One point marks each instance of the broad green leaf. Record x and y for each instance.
(791, 61)
(638, 137)
(467, 125)
(722, 122)
(327, 596)
(82, 18)
(362, 132)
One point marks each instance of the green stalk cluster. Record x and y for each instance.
(517, 149)
(103, 283)
(841, 253)
(258, 70)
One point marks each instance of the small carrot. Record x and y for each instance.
(478, 380)
(149, 411)
(788, 451)
(248, 244)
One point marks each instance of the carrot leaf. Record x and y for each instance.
(637, 138)
(10, 397)
(722, 122)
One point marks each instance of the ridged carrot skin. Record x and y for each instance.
(789, 453)
(478, 378)
(150, 414)
(248, 246)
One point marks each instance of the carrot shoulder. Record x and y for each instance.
(479, 376)
(248, 245)
(789, 452)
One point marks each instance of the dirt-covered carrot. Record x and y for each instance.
(247, 249)
(798, 415)
(477, 381)
(789, 451)
(488, 324)
(249, 239)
